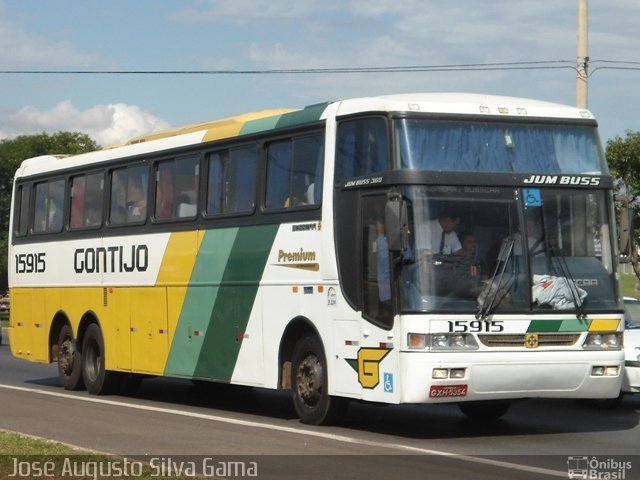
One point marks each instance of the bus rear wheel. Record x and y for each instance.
(69, 360)
(311, 399)
(97, 379)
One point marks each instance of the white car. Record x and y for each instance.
(631, 379)
(631, 373)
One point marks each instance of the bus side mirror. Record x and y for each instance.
(626, 230)
(396, 223)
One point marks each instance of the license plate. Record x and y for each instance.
(446, 391)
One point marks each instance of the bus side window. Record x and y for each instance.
(231, 183)
(128, 202)
(279, 156)
(86, 201)
(78, 185)
(240, 189)
(49, 206)
(215, 184)
(308, 167)
(294, 172)
(362, 148)
(164, 190)
(177, 183)
(93, 198)
(22, 223)
(187, 181)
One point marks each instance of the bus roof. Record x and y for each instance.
(464, 104)
(444, 103)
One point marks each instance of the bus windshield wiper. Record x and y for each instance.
(561, 262)
(495, 290)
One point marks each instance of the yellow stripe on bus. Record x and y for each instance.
(604, 325)
(175, 272)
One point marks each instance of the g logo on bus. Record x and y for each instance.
(531, 340)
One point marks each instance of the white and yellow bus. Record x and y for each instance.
(417, 248)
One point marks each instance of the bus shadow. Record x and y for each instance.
(444, 421)
(528, 417)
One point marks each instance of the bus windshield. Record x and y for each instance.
(506, 249)
(498, 147)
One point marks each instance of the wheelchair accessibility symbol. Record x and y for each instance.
(532, 197)
(388, 382)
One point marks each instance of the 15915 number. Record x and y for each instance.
(30, 262)
(475, 326)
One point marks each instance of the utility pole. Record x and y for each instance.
(583, 55)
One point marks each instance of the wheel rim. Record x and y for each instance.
(309, 380)
(66, 352)
(93, 362)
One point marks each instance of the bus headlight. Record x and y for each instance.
(612, 340)
(441, 341)
(452, 341)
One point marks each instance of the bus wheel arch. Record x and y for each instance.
(296, 329)
(65, 351)
(304, 369)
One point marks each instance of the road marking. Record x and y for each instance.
(297, 431)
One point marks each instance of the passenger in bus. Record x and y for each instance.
(186, 205)
(298, 195)
(53, 207)
(470, 252)
(137, 203)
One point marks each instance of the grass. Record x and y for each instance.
(630, 285)
(34, 455)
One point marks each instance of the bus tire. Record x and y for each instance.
(69, 360)
(97, 379)
(484, 411)
(311, 399)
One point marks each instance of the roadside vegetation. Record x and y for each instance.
(22, 456)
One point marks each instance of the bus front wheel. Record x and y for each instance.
(69, 360)
(311, 399)
(97, 379)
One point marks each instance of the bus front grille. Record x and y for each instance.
(520, 340)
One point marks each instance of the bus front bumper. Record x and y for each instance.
(476, 376)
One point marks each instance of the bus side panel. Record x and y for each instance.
(27, 324)
(200, 297)
(117, 327)
(149, 339)
(220, 298)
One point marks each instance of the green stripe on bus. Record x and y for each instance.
(544, 326)
(203, 290)
(575, 325)
(234, 302)
(568, 325)
(309, 114)
(259, 125)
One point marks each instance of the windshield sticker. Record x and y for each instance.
(532, 197)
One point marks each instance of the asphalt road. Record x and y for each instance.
(175, 421)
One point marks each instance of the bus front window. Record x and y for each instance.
(455, 239)
(570, 251)
(484, 250)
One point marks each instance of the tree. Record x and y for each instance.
(623, 157)
(12, 153)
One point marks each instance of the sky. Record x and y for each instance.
(235, 36)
